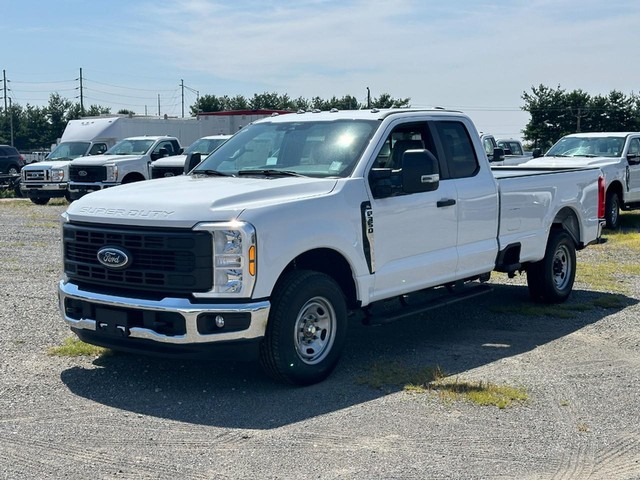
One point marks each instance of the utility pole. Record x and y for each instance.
(81, 95)
(4, 83)
(182, 88)
(158, 104)
(11, 120)
(368, 98)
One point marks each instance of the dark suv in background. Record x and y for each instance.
(11, 161)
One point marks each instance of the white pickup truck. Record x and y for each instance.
(617, 154)
(126, 162)
(177, 164)
(297, 220)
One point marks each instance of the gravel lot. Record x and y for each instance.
(125, 416)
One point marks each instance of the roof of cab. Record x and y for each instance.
(369, 114)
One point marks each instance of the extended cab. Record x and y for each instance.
(126, 162)
(265, 248)
(617, 154)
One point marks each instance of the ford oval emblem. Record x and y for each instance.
(114, 257)
(82, 173)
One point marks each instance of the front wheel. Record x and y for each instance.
(39, 200)
(13, 170)
(551, 279)
(612, 210)
(306, 330)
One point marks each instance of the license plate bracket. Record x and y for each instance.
(112, 322)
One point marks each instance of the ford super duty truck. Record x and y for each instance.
(126, 162)
(300, 222)
(617, 154)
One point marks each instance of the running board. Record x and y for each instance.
(384, 312)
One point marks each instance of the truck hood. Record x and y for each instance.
(185, 200)
(571, 162)
(46, 165)
(97, 160)
(173, 161)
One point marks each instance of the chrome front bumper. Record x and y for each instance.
(258, 311)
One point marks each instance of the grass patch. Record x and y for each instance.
(606, 276)
(480, 393)
(564, 310)
(72, 347)
(432, 380)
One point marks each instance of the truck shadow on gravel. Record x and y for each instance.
(238, 395)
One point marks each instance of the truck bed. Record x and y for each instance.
(531, 199)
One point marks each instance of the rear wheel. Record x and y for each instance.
(306, 330)
(39, 201)
(13, 170)
(612, 210)
(551, 279)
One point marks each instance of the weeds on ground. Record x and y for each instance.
(72, 347)
(432, 380)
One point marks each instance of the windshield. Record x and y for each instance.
(316, 149)
(130, 147)
(205, 146)
(69, 151)
(587, 147)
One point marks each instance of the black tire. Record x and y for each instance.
(551, 279)
(39, 201)
(67, 196)
(612, 210)
(307, 328)
(13, 169)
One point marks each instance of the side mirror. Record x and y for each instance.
(537, 152)
(180, 151)
(420, 171)
(498, 155)
(192, 160)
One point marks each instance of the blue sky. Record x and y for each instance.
(475, 56)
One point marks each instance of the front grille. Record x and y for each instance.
(160, 172)
(163, 261)
(79, 173)
(34, 175)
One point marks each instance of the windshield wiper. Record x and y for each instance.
(212, 173)
(271, 172)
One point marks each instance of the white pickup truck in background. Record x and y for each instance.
(617, 154)
(297, 220)
(126, 162)
(177, 164)
(87, 136)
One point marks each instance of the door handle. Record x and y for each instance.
(446, 203)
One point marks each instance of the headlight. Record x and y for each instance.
(112, 173)
(234, 258)
(57, 175)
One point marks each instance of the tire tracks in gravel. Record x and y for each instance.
(584, 460)
(36, 455)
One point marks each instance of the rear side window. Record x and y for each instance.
(458, 149)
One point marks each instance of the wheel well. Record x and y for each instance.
(566, 219)
(615, 187)
(133, 177)
(331, 263)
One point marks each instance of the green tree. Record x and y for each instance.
(549, 119)
(387, 101)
